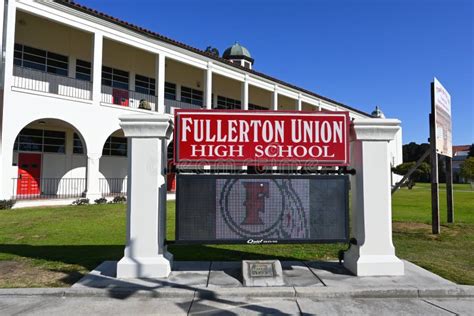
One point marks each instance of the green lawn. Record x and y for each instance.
(54, 246)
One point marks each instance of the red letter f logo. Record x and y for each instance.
(255, 194)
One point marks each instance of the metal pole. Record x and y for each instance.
(449, 189)
(435, 227)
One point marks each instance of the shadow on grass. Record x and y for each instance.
(90, 256)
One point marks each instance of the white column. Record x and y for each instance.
(146, 255)
(275, 99)
(214, 101)
(208, 86)
(178, 92)
(244, 94)
(299, 103)
(92, 178)
(160, 82)
(7, 103)
(72, 67)
(97, 68)
(374, 253)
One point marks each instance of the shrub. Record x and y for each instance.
(422, 173)
(101, 201)
(467, 169)
(81, 202)
(6, 204)
(119, 199)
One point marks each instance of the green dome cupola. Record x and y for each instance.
(239, 55)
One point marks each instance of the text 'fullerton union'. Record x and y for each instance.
(268, 131)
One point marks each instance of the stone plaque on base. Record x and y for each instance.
(262, 273)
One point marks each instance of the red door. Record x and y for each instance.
(120, 97)
(29, 173)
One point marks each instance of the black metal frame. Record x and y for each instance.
(269, 242)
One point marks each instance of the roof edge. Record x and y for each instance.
(132, 27)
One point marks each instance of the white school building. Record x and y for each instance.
(69, 72)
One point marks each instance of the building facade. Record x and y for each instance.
(68, 73)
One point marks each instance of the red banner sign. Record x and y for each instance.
(261, 137)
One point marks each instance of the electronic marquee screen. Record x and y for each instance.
(262, 209)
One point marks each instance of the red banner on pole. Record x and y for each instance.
(261, 137)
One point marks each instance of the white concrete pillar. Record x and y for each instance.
(244, 94)
(146, 255)
(72, 67)
(131, 80)
(214, 101)
(299, 103)
(178, 92)
(7, 104)
(92, 178)
(208, 86)
(374, 253)
(97, 68)
(160, 82)
(275, 99)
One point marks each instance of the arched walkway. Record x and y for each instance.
(113, 165)
(48, 160)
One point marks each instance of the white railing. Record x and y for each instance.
(171, 105)
(128, 98)
(41, 81)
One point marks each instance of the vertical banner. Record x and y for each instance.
(442, 119)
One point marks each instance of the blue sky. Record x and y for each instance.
(361, 53)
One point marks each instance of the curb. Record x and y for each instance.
(256, 292)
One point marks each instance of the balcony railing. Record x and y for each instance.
(128, 98)
(28, 188)
(170, 105)
(35, 80)
(113, 186)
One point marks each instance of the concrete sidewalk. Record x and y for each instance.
(323, 288)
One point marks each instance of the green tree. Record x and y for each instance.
(471, 151)
(467, 169)
(422, 173)
(413, 151)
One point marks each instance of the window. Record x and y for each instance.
(170, 91)
(83, 70)
(29, 57)
(256, 107)
(40, 141)
(192, 96)
(144, 85)
(114, 78)
(227, 103)
(77, 147)
(115, 146)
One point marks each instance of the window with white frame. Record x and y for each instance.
(39, 140)
(192, 96)
(170, 91)
(83, 70)
(115, 146)
(227, 103)
(42, 60)
(115, 78)
(144, 85)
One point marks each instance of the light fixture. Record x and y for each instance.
(41, 122)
